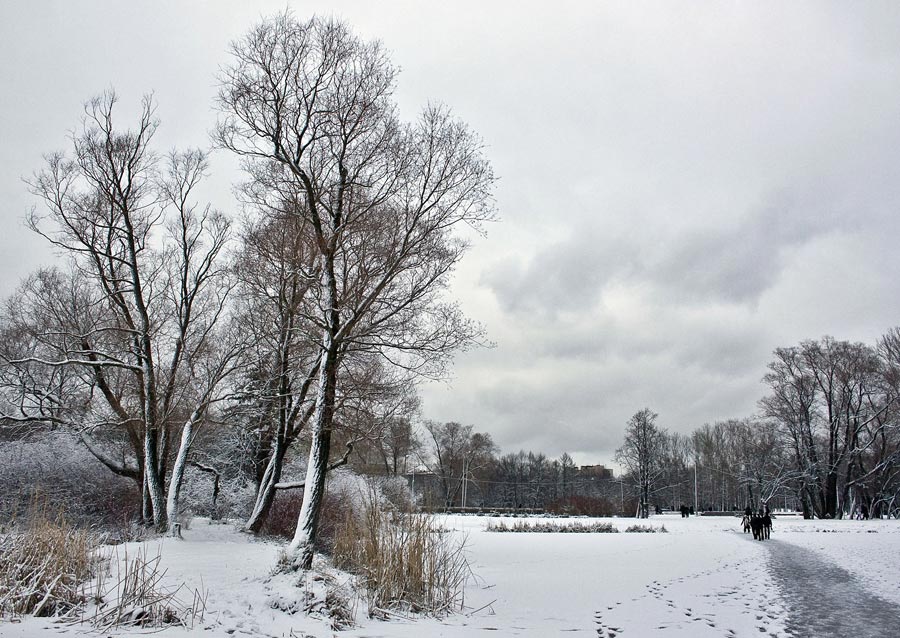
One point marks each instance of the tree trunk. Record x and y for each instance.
(265, 496)
(146, 507)
(302, 547)
(155, 488)
(172, 502)
(830, 495)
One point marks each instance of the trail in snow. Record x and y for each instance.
(823, 599)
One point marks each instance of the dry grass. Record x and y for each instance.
(50, 568)
(553, 527)
(646, 529)
(44, 564)
(405, 562)
(139, 598)
(599, 527)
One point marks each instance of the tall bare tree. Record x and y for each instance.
(309, 107)
(127, 334)
(833, 402)
(641, 455)
(276, 271)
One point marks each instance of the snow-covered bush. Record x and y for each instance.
(326, 593)
(56, 466)
(234, 498)
(547, 527)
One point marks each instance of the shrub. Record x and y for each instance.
(282, 518)
(55, 467)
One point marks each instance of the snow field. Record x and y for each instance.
(702, 578)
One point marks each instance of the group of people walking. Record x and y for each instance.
(760, 523)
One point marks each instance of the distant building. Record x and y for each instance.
(595, 471)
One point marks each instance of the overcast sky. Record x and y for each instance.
(683, 186)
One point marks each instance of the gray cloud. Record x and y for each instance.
(682, 190)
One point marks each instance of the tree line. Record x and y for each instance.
(826, 439)
(825, 442)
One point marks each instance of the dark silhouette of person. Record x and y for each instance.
(756, 527)
(766, 525)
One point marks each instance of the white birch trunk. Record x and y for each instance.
(300, 551)
(154, 484)
(172, 502)
(301, 548)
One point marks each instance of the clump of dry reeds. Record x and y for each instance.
(597, 527)
(406, 563)
(138, 597)
(43, 564)
(646, 529)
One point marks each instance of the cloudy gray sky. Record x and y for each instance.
(683, 186)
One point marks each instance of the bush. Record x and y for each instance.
(55, 467)
(345, 492)
(599, 527)
(282, 519)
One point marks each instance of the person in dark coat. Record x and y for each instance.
(756, 527)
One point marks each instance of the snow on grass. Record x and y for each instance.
(703, 578)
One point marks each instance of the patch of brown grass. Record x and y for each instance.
(43, 565)
(404, 560)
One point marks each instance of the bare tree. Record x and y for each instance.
(830, 398)
(309, 107)
(454, 453)
(129, 336)
(276, 274)
(641, 455)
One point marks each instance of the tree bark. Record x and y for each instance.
(173, 500)
(302, 546)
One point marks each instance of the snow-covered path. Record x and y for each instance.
(823, 599)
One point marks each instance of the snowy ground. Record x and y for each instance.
(703, 578)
